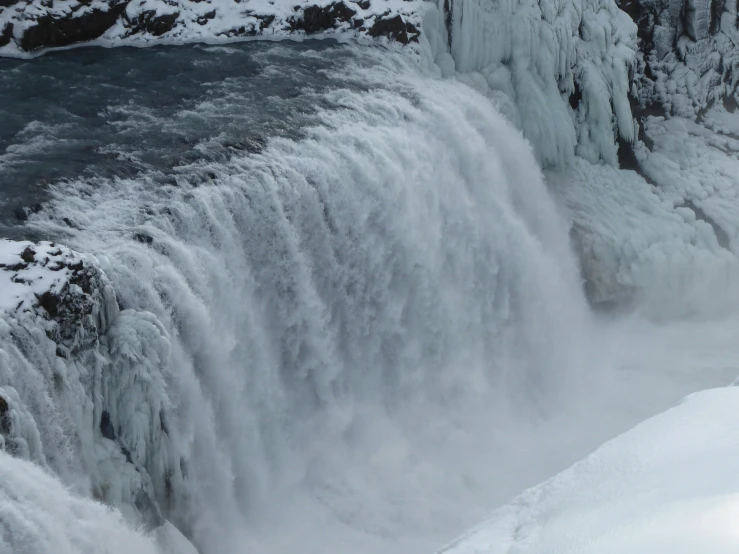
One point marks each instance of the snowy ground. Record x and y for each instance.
(669, 485)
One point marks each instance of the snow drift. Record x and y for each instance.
(668, 485)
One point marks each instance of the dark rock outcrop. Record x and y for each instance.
(678, 38)
(151, 23)
(316, 19)
(6, 34)
(395, 29)
(50, 31)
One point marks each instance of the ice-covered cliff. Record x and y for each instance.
(73, 368)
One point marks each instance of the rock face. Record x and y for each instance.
(27, 27)
(394, 28)
(6, 34)
(51, 31)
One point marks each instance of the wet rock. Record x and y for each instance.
(150, 22)
(21, 213)
(143, 238)
(28, 255)
(202, 20)
(395, 28)
(50, 302)
(7, 33)
(4, 417)
(53, 31)
(106, 427)
(317, 19)
(266, 21)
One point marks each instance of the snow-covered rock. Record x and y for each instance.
(64, 291)
(27, 26)
(668, 237)
(669, 485)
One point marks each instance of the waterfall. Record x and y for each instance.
(355, 330)
(318, 317)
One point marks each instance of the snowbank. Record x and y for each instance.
(669, 485)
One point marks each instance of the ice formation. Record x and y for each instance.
(39, 515)
(668, 485)
(73, 367)
(560, 69)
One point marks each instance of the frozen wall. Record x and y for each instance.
(559, 69)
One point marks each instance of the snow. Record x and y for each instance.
(669, 485)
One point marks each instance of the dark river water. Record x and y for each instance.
(166, 111)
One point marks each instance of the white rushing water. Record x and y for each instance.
(362, 339)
